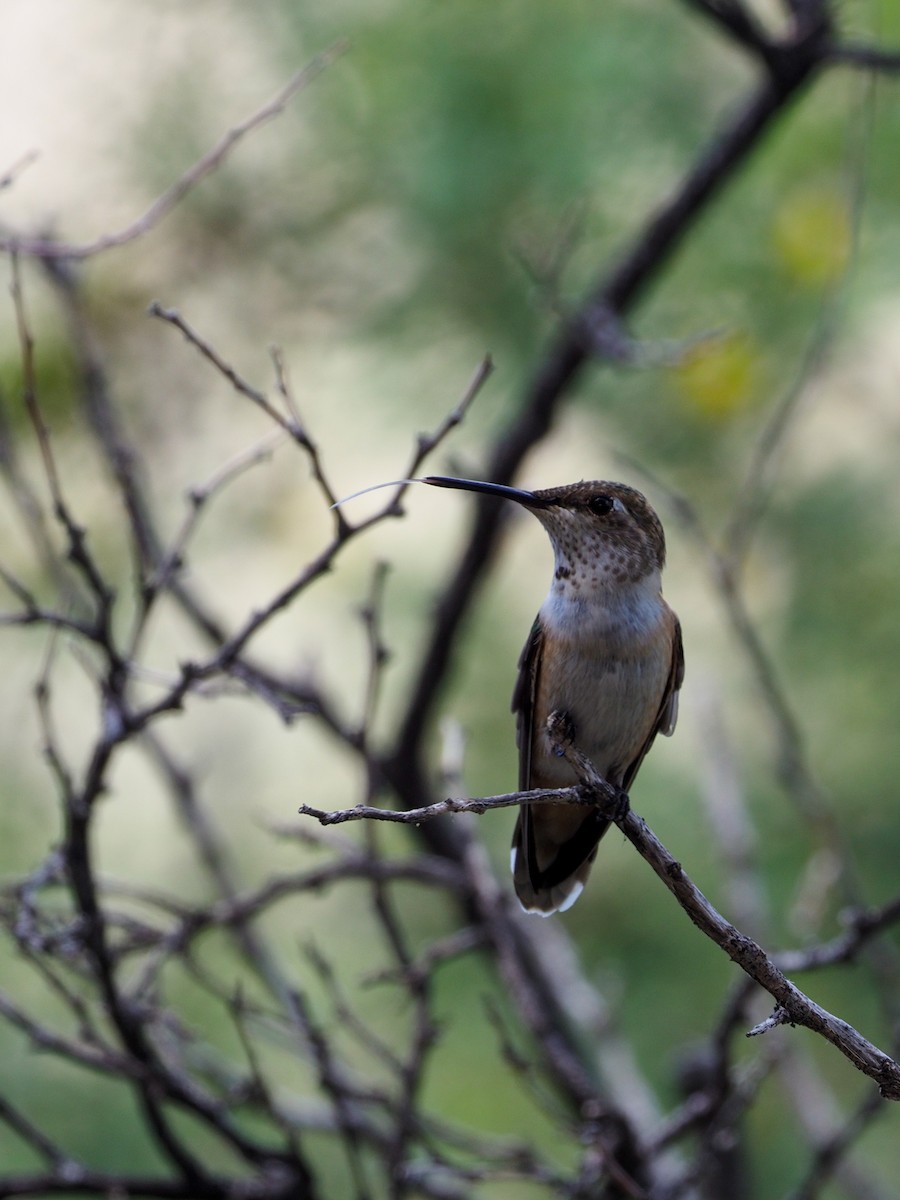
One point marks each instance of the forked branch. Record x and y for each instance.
(793, 1007)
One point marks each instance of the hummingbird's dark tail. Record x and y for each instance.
(552, 856)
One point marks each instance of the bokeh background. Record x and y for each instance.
(449, 187)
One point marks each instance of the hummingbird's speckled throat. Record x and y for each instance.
(598, 546)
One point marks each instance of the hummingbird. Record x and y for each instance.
(604, 653)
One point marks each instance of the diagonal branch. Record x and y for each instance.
(736, 20)
(616, 293)
(793, 1006)
(851, 54)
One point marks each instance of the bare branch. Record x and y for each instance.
(300, 433)
(617, 292)
(793, 1007)
(199, 498)
(862, 924)
(872, 58)
(12, 173)
(428, 442)
(173, 317)
(415, 816)
(106, 963)
(830, 1154)
(737, 20)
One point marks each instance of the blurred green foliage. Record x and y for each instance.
(460, 178)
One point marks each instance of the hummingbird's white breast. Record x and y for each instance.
(606, 660)
(599, 608)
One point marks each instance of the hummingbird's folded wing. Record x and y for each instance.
(668, 705)
(553, 846)
(668, 709)
(523, 701)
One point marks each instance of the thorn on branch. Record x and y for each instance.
(778, 1017)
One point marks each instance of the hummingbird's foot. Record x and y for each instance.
(561, 732)
(621, 805)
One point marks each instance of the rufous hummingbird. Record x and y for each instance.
(605, 654)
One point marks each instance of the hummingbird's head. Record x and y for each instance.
(602, 532)
(602, 529)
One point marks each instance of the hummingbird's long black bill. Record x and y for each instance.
(501, 490)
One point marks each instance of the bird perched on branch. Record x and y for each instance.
(604, 656)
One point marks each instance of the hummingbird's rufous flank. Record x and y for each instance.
(605, 654)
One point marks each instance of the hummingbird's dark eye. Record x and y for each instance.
(601, 504)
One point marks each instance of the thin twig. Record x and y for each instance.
(873, 58)
(163, 205)
(173, 317)
(300, 433)
(12, 173)
(416, 816)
